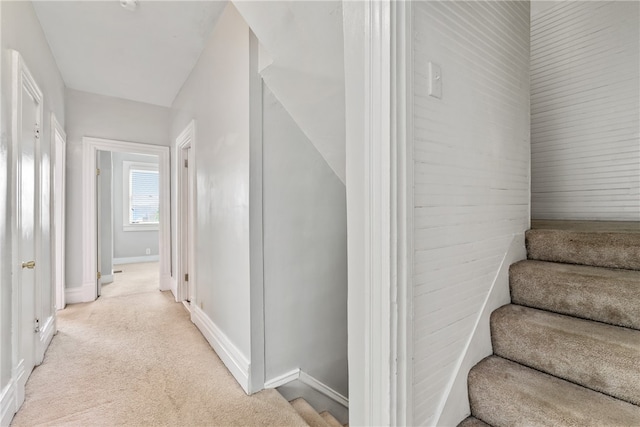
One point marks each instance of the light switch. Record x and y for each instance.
(435, 80)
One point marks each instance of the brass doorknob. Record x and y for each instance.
(29, 264)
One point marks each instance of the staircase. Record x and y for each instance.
(567, 349)
(313, 418)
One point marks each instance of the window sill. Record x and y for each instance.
(140, 227)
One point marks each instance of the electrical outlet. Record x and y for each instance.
(148, 251)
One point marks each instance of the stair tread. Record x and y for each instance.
(587, 226)
(505, 393)
(602, 294)
(473, 422)
(602, 357)
(307, 413)
(330, 419)
(280, 406)
(599, 249)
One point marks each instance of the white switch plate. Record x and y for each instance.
(435, 80)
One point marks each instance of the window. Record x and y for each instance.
(142, 196)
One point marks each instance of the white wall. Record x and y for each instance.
(585, 111)
(129, 244)
(305, 67)
(101, 117)
(20, 30)
(216, 95)
(471, 177)
(105, 215)
(305, 255)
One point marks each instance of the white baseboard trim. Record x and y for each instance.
(186, 305)
(324, 389)
(167, 283)
(20, 377)
(312, 382)
(173, 286)
(136, 259)
(82, 293)
(230, 355)
(47, 332)
(455, 405)
(283, 379)
(7, 403)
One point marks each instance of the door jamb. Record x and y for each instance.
(90, 147)
(58, 134)
(401, 112)
(379, 214)
(186, 140)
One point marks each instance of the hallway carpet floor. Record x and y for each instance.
(134, 358)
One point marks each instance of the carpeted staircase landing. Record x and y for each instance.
(567, 349)
(312, 417)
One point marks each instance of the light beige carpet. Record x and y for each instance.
(134, 358)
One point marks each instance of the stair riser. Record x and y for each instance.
(503, 393)
(600, 357)
(591, 293)
(611, 250)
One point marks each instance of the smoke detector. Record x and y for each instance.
(130, 5)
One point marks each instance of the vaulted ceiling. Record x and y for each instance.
(143, 55)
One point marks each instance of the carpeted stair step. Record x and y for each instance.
(504, 393)
(598, 249)
(330, 419)
(279, 408)
(606, 295)
(473, 422)
(598, 356)
(307, 413)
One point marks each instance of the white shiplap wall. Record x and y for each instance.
(585, 111)
(471, 176)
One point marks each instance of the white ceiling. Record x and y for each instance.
(143, 56)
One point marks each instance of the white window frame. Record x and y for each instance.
(127, 166)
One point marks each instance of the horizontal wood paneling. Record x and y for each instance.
(471, 175)
(585, 111)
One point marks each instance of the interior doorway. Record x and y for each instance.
(127, 201)
(185, 146)
(132, 167)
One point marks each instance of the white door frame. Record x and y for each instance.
(402, 211)
(22, 78)
(89, 222)
(379, 212)
(58, 209)
(99, 224)
(185, 218)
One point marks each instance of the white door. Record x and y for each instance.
(186, 193)
(27, 227)
(186, 244)
(27, 108)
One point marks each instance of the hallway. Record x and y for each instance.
(133, 357)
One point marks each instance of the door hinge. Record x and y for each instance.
(36, 326)
(97, 171)
(36, 131)
(99, 275)
(186, 163)
(186, 277)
